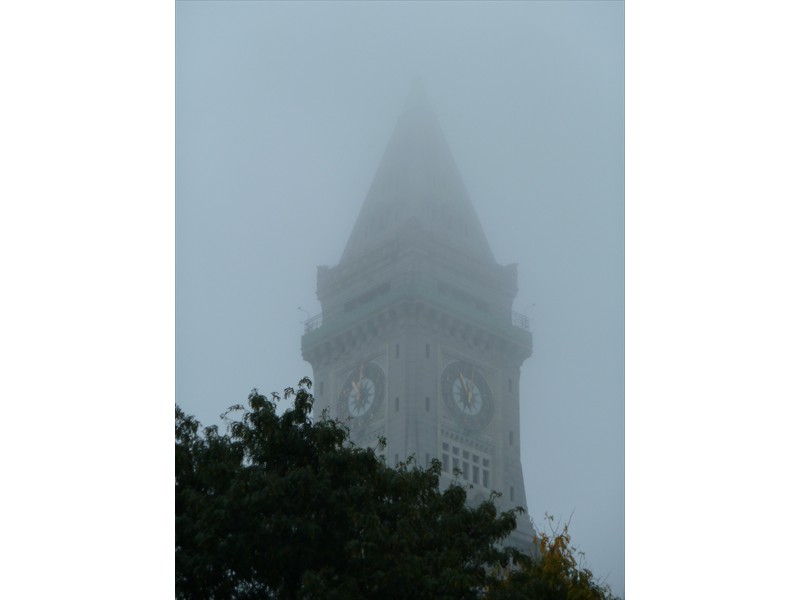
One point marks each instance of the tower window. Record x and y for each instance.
(427, 350)
(469, 464)
(427, 459)
(397, 404)
(397, 462)
(321, 388)
(511, 493)
(510, 438)
(510, 386)
(427, 403)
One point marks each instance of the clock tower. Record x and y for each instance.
(417, 342)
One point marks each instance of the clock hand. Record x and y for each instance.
(471, 387)
(467, 389)
(357, 389)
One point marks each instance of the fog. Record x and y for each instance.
(283, 113)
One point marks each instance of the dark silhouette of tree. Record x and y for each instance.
(281, 506)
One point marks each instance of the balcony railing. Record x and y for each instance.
(313, 323)
(520, 320)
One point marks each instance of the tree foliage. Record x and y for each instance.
(285, 507)
(555, 574)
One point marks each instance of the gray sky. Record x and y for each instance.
(282, 114)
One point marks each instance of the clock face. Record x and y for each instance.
(467, 395)
(362, 392)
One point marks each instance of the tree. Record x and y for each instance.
(281, 506)
(555, 573)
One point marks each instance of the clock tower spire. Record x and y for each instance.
(418, 181)
(417, 342)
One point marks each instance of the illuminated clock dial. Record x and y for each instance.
(362, 391)
(361, 397)
(467, 396)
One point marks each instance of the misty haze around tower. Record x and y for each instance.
(471, 309)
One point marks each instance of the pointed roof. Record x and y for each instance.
(418, 183)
